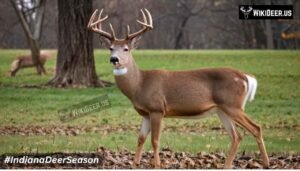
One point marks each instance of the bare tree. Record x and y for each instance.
(75, 66)
(31, 14)
(189, 10)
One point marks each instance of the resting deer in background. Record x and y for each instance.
(156, 94)
(26, 61)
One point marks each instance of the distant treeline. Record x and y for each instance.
(178, 24)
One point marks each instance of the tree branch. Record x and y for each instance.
(22, 20)
(39, 20)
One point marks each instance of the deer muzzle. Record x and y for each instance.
(114, 60)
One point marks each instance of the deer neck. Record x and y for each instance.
(129, 82)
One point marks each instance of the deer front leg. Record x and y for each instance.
(144, 131)
(156, 120)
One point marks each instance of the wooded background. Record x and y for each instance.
(178, 24)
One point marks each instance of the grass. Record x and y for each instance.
(208, 141)
(276, 107)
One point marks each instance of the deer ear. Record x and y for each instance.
(135, 42)
(105, 42)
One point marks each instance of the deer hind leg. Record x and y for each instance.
(240, 117)
(15, 66)
(144, 131)
(235, 138)
(43, 68)
(156, 121)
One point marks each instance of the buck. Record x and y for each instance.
(26, 61)
(156, 94)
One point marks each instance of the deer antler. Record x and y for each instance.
(147, 25)
(249, 9)
(243, 9)
(96, 26)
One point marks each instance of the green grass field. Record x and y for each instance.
(276, 107)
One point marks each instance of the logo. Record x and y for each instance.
(246, 11)
(265, 12)
(84, 108)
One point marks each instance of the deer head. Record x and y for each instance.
(246, 12)
(120, 48)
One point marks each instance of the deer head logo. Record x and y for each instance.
(247, 11)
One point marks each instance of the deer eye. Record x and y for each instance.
(111, 49)
(125, 49)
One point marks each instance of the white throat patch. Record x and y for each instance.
(121, 71)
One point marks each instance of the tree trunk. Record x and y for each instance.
(249, 35)
(269, 31)
(269, 34)
(75, 66)
(179, 36)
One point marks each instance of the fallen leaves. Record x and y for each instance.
(77, 129)
(63, 129)
(183, 160)
(73, 130)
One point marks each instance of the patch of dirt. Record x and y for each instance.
(71, 130)
(169, 160)
(63, 129)
(46, 86)
(75, 130)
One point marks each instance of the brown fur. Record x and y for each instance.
(197, 95)
(26, 61)
(159, 93)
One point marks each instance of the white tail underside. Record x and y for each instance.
(14, 64)
(251, 89)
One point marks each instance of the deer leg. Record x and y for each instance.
(144, 131)
(156, 121)
(14, 72)
(43, 69)
(240, 117)
(235, 138)
(38, 70)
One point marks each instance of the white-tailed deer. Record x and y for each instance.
(156, 94)
(26, 61)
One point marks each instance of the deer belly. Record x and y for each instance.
(186, 114)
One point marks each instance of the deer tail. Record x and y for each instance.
(250, 89)
(15, 64)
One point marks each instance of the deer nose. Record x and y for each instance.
(114, 59)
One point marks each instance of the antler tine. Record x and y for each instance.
(112, 30)
(96, 26)
(146, 25)
(150, 18)
(128, 29)
(92, 19)
(99, 18)
(98, 22)
(144, 18)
